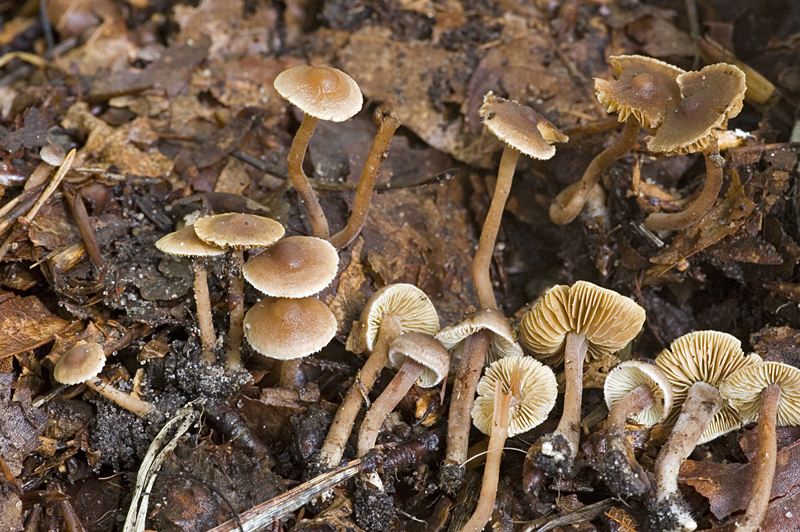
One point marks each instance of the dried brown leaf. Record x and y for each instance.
(26, 324)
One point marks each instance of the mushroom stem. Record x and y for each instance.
(638, 400)
(766, 461)
(483, 256)
(235, 310)
(128, 402)
(208, 338)
(501, 417)
(569, 202)
(393, 393)
(331, 453)
(694, 212)
(319, 224)
(289, 372)
(377, 153)
(459, 419)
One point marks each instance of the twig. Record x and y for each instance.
(581, 515)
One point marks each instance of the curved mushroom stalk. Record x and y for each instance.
(319, 223)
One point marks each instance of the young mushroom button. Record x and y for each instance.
(769, 392)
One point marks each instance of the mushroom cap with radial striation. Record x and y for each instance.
(322, 92)
(79, 364)
(538, 388)
(520, 127)
(743, 387)
(186, 243)
(235, 230)
(286, 329)
(631, 374)
(426, 350)
(645, 88)
(296, 266)
(502, 344)
(704, 356)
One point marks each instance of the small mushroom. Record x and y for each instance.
(185, 243)
(574, 321)
(82, 364)
(710, 97)
(322, 93)
(770, 393)
(236, 232)
(639, 391)
(391, 311)
(696, 364)
(515, 395)
(483, 336)
(644, 91)
(52, 156)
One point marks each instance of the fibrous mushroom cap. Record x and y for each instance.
(186, 243)
(645, 88)
(52, 154)
(289, 328)
(710, 97)
(520, 127)
(79, 364)
(502, 344)
(633, 373)
(605, 318)
(743, 390)
(404, 301)
(322, 92)
(235, 230)
(297, 266)
(538, 387)
(704, 356)
(424, 349)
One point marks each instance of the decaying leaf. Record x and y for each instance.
(26, 324)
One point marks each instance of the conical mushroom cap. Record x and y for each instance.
(186, 243)
(322, 92)
(520, 127)
(236, 230)
(289, 328)
(79, 364)
(743, 390)
(630, 375)
(645, 88)
(501, 345)
(426, 350)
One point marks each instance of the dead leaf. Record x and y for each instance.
(26, 324)
(20, 423)
(32, 134)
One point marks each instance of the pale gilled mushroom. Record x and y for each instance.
(639, 391)
(696, 364)
(322, 93)
(236, 232)
(483, 335)
(710, 97)
(770, 393)
(391, 311)
(82, 364)
(515, 395)
(576, 320)
(644, 91)
(185, 243)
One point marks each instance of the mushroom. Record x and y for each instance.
(185, 243)
(574, 321)
(391, 311)
(421, 359)
(52, 155)
(322, 93)
(639, 391)
(515, 395)
(770, 393)
(289, 329)
(483, 335)
(644, 91)
(710, 97)
(82, 364)
(696, 364)
(236, 232)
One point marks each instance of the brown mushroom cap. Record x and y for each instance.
(79, 364)
(52, 154)
(297, 266)
(501, 345)
(235, 230)
(645, 88)
(538, 387)
(743, 390)
(631, 374)
(322, 92)
(426, 350)
(186, 243)
(407, 303)
(285, 329)
(605, 318)
(710, 97)
(520, 127)
(704, 356)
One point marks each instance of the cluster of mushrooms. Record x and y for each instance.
(703, 385)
